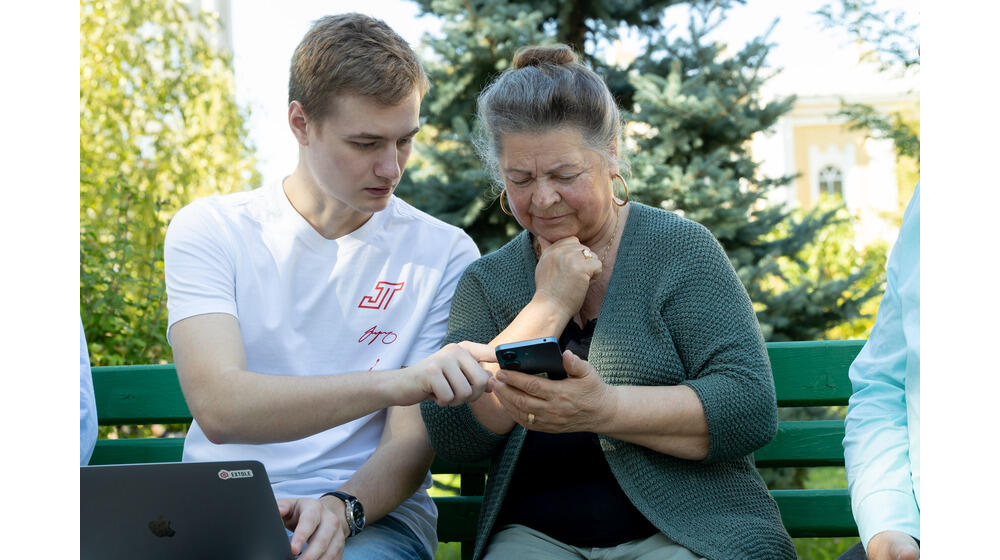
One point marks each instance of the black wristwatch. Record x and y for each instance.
(355, 511)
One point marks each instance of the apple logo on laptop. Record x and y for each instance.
(161, 527)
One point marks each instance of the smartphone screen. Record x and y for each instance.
(539, 356)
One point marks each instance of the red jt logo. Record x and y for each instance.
(383, 294)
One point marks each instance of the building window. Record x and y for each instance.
(831, 181)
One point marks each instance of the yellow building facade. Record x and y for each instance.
(814, 143)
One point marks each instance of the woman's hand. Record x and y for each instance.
(579, 403)
(666, 419)
(564, 272)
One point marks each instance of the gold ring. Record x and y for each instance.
(587, 253)
(531, 418)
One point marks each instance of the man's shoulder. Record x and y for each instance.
(216, 219)
(414, 223)
(223, 210)
(227, 203)
(405, 214)
(511, 258)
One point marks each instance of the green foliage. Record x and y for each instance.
(859, 273)
(159, 126)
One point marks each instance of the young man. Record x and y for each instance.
(294, 307)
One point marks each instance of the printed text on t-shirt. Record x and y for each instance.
(372, 334)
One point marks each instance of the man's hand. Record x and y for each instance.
(450, 377)
(313, 523)
(893, 545)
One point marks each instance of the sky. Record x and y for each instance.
(265, 33)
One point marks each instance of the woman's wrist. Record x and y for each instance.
(608, 412)
(544, 308)
(491, 415)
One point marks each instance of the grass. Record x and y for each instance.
(449, 551)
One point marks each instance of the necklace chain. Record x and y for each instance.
(614, 234)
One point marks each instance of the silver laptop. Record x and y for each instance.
(212, 510)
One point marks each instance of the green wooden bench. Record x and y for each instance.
(805, 374)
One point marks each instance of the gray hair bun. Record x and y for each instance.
(556, 55)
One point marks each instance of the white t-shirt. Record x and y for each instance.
(375, 299)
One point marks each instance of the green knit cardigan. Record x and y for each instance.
(674, 313)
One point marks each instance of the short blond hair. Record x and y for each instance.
(352, 54)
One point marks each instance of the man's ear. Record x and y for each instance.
(298, 122)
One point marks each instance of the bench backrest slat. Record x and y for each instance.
(804, 443)
(146, 394)
(138, 450)
(812, 373)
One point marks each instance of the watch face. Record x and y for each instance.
(358, 513)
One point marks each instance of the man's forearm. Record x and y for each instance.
(395, 470)
(233, 405)
(238, 406)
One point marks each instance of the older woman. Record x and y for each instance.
(644, 451)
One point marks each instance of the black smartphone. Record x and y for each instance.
(539, 356)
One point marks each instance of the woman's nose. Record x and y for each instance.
(545, 195)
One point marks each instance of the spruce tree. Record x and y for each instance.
(692, 110)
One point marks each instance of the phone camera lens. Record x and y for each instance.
(513, 365)
(508, 355)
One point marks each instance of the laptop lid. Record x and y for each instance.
(218, 510)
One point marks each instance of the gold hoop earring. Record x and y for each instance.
(503, 208)
(624, 184)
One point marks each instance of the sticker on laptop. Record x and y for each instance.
(243, 473)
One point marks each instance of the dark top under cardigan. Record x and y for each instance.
(674, 313)
(562, 485)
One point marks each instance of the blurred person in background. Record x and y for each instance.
(882, 440)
